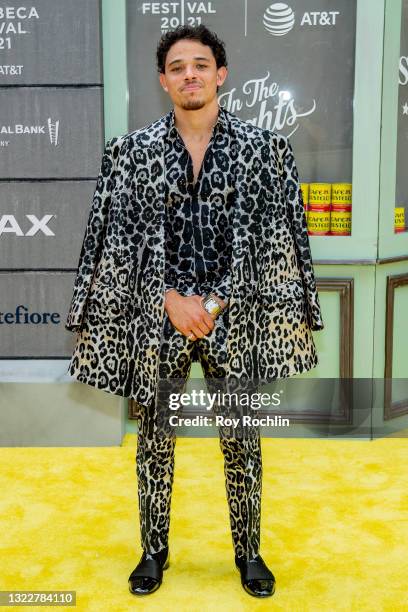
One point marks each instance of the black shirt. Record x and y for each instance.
(198, 227)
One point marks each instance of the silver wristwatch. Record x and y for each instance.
(211, 305)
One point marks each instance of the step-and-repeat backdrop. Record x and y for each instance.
(51, 142)
(291, 70)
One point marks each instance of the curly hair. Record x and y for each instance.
(200, 33)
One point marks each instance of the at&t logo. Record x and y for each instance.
(279, 18)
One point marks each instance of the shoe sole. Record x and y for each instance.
(259, 596)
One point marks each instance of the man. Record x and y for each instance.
(196, 248)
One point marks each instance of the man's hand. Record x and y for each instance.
(188, 315)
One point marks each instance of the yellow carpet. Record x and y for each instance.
(334, 526)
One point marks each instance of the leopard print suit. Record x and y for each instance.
(198, 237)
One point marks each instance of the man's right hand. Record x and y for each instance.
(187, 314)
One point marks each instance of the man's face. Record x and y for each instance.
(191, 76)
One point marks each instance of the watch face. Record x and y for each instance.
(212, 306)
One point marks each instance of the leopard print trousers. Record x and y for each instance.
(241, 448)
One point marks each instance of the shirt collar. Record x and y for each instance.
(222, 123)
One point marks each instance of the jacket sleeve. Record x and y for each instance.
(297, 219)
(92, 244)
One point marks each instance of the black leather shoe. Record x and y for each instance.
(256, 578)
(148, 574)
